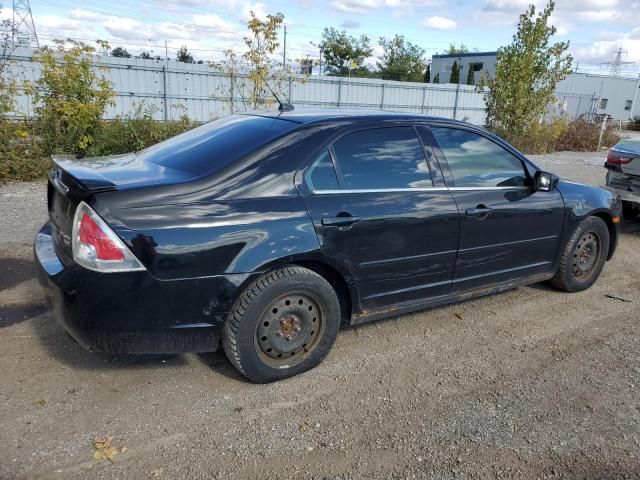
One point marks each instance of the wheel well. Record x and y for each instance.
(613, 232)
(338, 283)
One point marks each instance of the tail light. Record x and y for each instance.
(97, 247)
(616, 157)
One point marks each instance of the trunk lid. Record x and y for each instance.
(74, 180)
(629, 149)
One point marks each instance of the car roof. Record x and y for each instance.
(314, 115)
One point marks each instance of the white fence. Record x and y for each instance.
(173, 89)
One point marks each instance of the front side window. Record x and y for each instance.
(382, 158)
(476, 161)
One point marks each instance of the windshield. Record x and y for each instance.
(216, 144)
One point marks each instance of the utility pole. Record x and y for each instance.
(284, 52)
(24, 30)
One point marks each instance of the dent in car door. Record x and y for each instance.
(508, 230)
(395, 233)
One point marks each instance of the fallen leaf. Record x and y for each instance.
(104, 450)
(156, 473)
(103, 443)
(459, 315)
(302, 427)
(41, 403)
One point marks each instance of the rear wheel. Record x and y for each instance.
(584, 256)
(283, 324)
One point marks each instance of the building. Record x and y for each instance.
(590, 94)
(482, 63)
(580, 94)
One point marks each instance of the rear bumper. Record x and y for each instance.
(627, 186)
(134, 312)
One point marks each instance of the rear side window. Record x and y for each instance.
(475, 161)
(382, 158)
(214, 145)
(321, 175)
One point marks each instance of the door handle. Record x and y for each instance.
(340, 221)
(481, 212)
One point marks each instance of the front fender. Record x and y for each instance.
(582, 201)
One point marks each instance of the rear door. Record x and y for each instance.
(508, 230)
(377, 210)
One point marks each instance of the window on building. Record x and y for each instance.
(603, 103)
(628, 104)
(475, 161)
(382, 158)
(476, 66)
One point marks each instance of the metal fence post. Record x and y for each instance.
(424, 97)
(339, 91)
(382, 98)
(231, 92)
(164, 92)
(455, 103)
(290, 100)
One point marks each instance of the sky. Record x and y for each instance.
(595, 28)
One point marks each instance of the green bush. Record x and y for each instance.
(132, 133)
(634, 124)
(21, 155)
(582, 136)
(577, 135)
(541, 138)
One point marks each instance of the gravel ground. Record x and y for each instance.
(532, 383)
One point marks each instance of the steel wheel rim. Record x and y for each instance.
(586, 256)
(289, 329)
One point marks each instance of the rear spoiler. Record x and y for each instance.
(82, 172)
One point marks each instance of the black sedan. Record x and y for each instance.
(264, 231)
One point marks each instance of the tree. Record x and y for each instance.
(427, 74)
(69, 97)
(120, 52)
(471, 80)
(436, 79)
(261, 44)
(455, 73)
(527, 72)
(453, 50)
(145, 55)
(342, 52)
(401, 60)
(183, 55)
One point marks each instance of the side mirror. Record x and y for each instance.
(545, 181)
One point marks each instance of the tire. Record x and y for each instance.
(283, 324)
(583, 257)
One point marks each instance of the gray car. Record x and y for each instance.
(623, 175)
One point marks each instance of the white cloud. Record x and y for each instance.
(439, 23)
(86, 15)
(355, 6)
(259, 9)
(348, 24)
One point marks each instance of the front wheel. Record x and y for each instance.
(283, 324)
(584, 256)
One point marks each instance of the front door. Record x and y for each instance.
(376, 211)
(508, 230)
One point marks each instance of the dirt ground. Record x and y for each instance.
(532, 383)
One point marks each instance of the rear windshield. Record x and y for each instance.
(216, 144)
